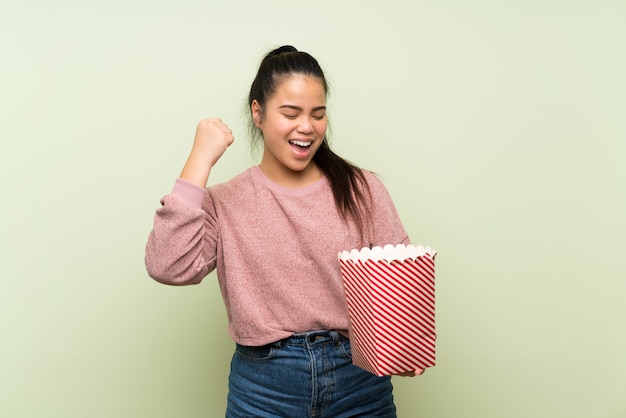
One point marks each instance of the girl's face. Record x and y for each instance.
(294, 124)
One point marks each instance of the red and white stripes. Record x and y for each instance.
(392, 313)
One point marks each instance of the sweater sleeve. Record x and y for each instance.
(385, 226)
(181, 248)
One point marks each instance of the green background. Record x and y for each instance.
(498, 127)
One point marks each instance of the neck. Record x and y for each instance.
(291, 179)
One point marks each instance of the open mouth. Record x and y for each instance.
(301, 144)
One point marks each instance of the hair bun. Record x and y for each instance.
(283, 49)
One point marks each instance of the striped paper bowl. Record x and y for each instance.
(391, 301)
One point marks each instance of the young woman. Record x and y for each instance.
(273, 234)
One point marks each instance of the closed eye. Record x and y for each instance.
(317, 113)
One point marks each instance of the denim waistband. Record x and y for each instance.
(312, 338)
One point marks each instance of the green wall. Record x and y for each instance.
(499, 127)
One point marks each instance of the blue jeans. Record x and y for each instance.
(306, 375)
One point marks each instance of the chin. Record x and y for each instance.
(300, 166)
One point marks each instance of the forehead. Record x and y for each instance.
(299, 86)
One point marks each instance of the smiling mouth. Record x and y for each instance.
(301, 144)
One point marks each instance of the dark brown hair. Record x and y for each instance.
(347, 181)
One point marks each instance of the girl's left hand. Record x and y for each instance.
(413, 373)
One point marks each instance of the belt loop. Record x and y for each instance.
(336, 340)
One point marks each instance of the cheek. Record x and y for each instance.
(320, 127)
(281, 125)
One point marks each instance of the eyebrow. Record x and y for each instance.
(300, 109)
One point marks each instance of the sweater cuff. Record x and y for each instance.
(188, 192)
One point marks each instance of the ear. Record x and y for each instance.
(257, 113)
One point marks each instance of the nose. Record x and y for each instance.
(305, 126)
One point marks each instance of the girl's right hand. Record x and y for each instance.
(212, 139)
